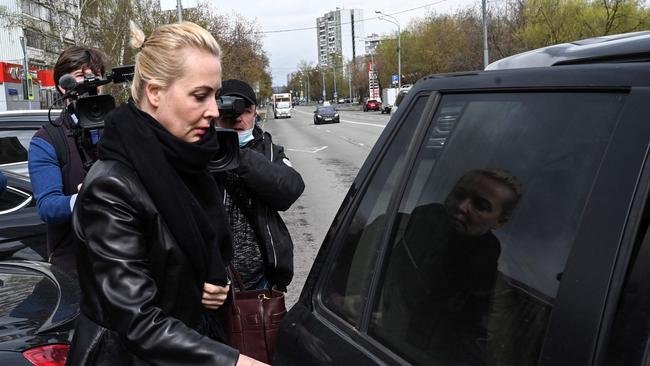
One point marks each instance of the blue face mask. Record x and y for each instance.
(245, 136)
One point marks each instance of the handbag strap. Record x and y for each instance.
(236, 277)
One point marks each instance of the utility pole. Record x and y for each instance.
(308, 88)
(324, 94)
(334, 77)
(399, 45)
(485, 43)
(179, 10)
(349, 84)
(23, 45)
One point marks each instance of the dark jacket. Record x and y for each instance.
(272, 185)
(148, 291)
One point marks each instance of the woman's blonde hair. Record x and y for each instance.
(158, 60)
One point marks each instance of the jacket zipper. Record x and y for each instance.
(275, 257)
(268, 229)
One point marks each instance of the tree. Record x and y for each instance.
(549, 22)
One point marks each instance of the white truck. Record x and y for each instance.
(281, 105)
(388, 96)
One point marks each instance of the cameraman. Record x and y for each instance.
(56, 174)
(263, 184)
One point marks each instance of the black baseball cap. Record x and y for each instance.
(240, 89)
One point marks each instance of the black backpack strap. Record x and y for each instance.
(59, 141)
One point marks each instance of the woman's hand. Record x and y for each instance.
(247, 361)
(214, 296)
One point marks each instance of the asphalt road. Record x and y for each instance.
(328, 158)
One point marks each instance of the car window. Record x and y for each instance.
(13, 199)
(473, 272)
(345, 291)
(628, 343)
(326, 110)
(23, 136)
(400, 96)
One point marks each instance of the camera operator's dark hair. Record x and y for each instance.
(77, 57)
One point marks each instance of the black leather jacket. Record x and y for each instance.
(141, 300)
(272, 185)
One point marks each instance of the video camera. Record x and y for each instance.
(230, 107)
(90, 108)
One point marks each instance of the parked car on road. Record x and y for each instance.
(38, 302)
(432, 261)
(371, 105)
(327, 114)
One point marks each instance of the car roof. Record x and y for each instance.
(26, 118)
(626, 47)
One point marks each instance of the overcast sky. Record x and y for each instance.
(286, 49)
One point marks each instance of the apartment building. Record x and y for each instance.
(340, 34)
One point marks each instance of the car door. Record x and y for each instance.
(22, 233)
(398, 281)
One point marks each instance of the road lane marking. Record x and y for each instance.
(363, 123)
(313, 151)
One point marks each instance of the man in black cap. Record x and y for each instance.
(263, 184)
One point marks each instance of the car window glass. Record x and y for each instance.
(473, 271)
(14, 146)
(630, 332)
(12, 199)
(345, 291)
(400, 96)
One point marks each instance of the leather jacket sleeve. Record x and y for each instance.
(112, 221)
(275, 182)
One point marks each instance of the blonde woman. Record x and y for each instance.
(155, 239)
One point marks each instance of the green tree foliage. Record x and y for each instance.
(441, 43)
(549, 22)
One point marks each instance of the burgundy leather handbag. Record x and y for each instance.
(252, 319)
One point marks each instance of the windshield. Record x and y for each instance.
(283, 105)
(326, 110)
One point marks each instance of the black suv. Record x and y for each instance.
(500, 219)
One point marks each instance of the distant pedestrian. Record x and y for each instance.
(264, 183)
(152, 265)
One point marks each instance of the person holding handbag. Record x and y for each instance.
(155, 239)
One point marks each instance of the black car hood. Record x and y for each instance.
(38, 304)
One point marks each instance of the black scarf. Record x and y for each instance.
(175, 176)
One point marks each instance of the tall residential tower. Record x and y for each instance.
(340, 33)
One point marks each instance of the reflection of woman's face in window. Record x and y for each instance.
(475, 204)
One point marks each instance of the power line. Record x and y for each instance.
(360, 20)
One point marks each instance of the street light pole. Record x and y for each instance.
(485, 42)
(324, 95)
(399, 45)
(308, 87)
(334, 77)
